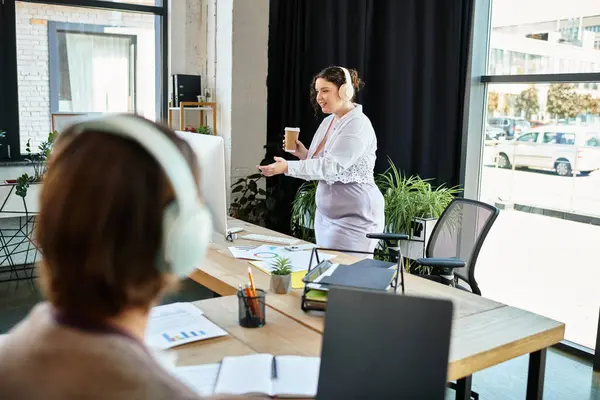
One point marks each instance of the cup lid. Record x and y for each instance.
(292, 129)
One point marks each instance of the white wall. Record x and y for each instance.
(224, 76)
(187, 46)
(249, 106)
(240, 40)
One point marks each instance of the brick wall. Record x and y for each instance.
(33, 58)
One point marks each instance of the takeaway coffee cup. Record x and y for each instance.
(291, 135)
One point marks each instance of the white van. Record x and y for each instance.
(566, 149)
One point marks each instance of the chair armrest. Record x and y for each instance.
(441, 262)
(387, 236)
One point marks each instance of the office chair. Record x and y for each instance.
(455, 243)
(454, 246)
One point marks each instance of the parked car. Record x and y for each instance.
(566, 149)
(492, 133)
(512, 126)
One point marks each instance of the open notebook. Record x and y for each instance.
(257, 374)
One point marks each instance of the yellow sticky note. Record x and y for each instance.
(297, 279)
(296, 276)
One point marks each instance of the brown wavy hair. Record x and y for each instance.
(336, 76)
(100, 223)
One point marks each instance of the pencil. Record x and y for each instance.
(248, 302)
(256, 302)
(252, 287)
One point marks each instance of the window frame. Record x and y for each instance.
(476, 117)
(535, 135)
(9, 102)
(54, 27)
(592, 136)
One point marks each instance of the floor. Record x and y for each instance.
(566, 377)
(544, 265)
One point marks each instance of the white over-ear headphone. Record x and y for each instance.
(187, 223)
(346, 91)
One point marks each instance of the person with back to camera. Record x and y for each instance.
(120, 221)
(342, 158)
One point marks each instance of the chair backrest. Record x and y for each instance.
(460, 233)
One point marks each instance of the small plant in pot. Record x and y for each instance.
(39, 163)
(202, 129)
(281, 276)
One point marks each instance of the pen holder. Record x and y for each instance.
(251, 309)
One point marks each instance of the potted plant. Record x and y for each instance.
(25, 194)
(304, 209)
(202, 129)
(252, 203)
(412, 206)
(281, 276)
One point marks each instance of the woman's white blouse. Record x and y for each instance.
(348, 155)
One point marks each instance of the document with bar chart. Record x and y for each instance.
(179, 323)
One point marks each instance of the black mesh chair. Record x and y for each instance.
(454, 246)
(455, 243)
(456, 240)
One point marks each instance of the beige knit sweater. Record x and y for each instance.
(42, 358)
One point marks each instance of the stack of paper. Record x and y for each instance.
(179, 323)
(264, 257)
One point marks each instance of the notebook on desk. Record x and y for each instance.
(257, 374)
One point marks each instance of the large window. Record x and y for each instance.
(92, 72)
(540, 159)
(73, 60)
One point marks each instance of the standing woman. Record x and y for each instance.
(342, 158)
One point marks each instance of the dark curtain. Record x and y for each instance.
(9, 106)
(412, 56)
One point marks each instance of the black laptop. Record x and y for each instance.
(384, 346)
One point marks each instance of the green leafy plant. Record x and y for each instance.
(39, 163)
(252, 203)
(304, 208)
(282, 266)
(410, 197)
(202, 129)
(23, 184)
(250, 200)
(406, 199)
(256, 205)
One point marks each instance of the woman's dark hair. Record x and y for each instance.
(100, 223)
(336, 76)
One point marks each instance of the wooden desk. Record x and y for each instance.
(280, 336)
(484, 332)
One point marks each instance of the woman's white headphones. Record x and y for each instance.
(187, 223)
(346, 91)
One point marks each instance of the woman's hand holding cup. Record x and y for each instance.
(291, 144)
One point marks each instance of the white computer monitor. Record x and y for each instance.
(210, 151)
